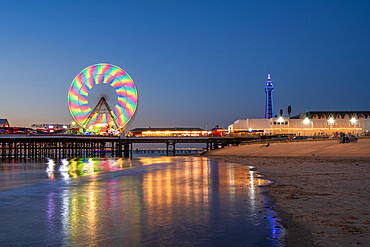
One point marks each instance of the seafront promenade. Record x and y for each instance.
(321, 189)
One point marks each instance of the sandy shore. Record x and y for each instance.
(321, 189)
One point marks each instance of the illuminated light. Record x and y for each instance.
(343, 128)
(119, 80)
(331, 120)
(353, 120)
(73, 123)
(91, 127)
(100, 125)
(50, 168)
(50, 126)
(250, 129)
(306, 120)
(64, 126)
(170, 133)
(280, 119)
(63, 169)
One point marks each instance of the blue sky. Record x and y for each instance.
(195, 63)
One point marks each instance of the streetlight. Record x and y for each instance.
(307, 121)
(331, 122)
(354, 122)
(280, 121)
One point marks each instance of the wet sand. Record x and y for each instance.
(321, 189)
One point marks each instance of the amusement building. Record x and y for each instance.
(167, 132)
(310, 123)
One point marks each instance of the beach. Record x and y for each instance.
(320, 188)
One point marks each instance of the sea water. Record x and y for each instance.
(153, 201)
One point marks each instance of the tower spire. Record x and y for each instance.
(269, 109)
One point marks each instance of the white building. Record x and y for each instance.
(309, 123)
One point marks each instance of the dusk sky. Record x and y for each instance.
(195, 63)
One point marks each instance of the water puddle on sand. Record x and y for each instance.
(160, 201)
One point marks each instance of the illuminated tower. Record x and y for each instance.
(269, 108)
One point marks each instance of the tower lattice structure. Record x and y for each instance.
(269, 108)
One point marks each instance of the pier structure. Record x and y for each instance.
(33, 147)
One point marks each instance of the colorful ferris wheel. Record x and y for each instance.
(103, 95)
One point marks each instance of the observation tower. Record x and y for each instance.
(269, 109)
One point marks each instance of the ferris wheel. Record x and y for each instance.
(103, 95)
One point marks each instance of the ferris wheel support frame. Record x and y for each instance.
(98, 109)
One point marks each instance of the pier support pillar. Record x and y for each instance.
(120, 148)
(126, 151)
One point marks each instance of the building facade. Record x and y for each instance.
(167, 132)
(311, 123)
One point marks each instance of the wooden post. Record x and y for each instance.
(120, 148)
(126, 152)
(215, 145)
(2, 150)
(16, 150)
(23, 149)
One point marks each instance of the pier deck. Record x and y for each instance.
(24, 146)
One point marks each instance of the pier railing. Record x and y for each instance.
(85, 146)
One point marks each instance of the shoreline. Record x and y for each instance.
(321, 200)
(297, 234)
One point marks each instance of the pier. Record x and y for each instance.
(34, 147)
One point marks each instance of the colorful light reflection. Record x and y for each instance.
(178, 193)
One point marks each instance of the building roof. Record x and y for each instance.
(3, 120)
(326, 114)
(165, 129)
